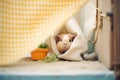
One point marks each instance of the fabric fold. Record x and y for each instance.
(79, 44)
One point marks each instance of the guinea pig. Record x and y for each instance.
(64, 42)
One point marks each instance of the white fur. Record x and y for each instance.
(65, 37)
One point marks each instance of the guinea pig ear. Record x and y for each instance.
(57, 38)
(72, 36)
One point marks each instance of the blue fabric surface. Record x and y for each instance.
(99, 76)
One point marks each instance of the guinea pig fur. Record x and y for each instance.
(64, 42)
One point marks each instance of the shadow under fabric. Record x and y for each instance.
(24, 24)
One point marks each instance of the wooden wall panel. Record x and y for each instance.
(116, 34)
(103, 44)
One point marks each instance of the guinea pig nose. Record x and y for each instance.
(65, 43)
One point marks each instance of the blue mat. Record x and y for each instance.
(107, 75)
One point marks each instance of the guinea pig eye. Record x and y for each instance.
(60, 39)
(70, 40)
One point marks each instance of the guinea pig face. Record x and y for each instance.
(64, 42)
(63, 47)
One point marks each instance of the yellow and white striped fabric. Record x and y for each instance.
(24, 24)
